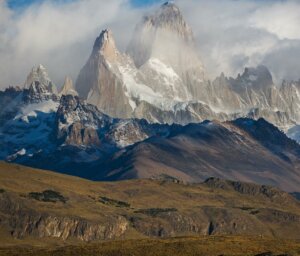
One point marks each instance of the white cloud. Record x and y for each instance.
(60, 36)
(281, 18)
(230, 34)
(234, 34)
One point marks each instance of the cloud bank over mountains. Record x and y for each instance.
(229, 34)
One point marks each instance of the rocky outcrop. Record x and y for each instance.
(24, 222)
(246, 188)
(39, 74)
(78, 134)
(38, 87)
(207, 221)
(66, 227)
(78, 123)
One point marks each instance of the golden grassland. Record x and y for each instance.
(189, 246)
(84, 200)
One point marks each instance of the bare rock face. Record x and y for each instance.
(162, 79)
(118, 84)
(78, 123)
(99, 81)
(80, 135)
(68, 88)
(25, 221)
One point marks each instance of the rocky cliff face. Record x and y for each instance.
(100, 81)
(121, 85)
(68, 88)
(26, 221)
(78, 123)
(163, 80)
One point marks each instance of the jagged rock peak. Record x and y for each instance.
(259, 75)
(169, 17)
(163, 34)
(38, 73)
(259, 70)
(38, 77)
(68, 88)
(170, 6)
(105, 44)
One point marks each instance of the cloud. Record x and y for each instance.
(58, 35)
(230, 35)
(234, 34)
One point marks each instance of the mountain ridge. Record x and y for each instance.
(168, 84)
(137, 112)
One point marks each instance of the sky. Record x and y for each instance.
(230, 34)
(21, 4)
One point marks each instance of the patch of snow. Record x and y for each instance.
(21, 152)
(164, 80)
(12, 157)
(253, 78)
(162, 68)
(137, 91)
(31, 110)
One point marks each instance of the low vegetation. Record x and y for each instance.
(153, 212)
(48, 196)
(113, 202)
(190, 246)
(137, 209)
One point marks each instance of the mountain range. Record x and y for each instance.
(144, 113)
(162, 79)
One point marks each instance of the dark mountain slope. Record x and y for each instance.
(231, 150)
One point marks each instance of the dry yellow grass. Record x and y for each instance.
(188, 200)
(189, 246)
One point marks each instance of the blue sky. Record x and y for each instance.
(17, 4)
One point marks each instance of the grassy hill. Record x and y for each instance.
(41, 208)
